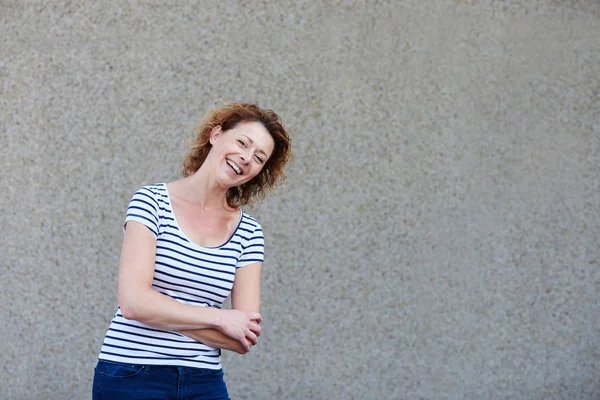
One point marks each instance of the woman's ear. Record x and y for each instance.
(216, 131)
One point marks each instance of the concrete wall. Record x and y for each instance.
(439, 234)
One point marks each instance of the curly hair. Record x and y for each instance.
(228, 117)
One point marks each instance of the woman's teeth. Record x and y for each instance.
(235, 167)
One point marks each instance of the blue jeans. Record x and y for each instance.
(116, 381)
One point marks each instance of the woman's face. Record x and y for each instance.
(240, 153)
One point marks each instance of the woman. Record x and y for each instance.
(187, 245)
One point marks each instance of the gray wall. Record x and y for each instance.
(439, 233)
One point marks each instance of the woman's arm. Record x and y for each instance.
(138, 301)
(214, 338)
(245, 296)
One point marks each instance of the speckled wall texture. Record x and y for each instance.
(439, 233)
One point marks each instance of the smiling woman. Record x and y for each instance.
(187, 246)
(227, 118)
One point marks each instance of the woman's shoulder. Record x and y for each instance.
(250, 221)
(155, 192)
(154, 188)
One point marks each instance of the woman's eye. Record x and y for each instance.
(259, 159)
(241, 142)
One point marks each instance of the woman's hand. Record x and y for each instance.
(215, 338)
(241, 326)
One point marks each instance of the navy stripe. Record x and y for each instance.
(185, 300)
(143, 327)
(159, 190)
(197, 251)
(182, 245)
(251, 218)
(142, 217)
(196, 289)
(253, 245)
(143, 193)
(163, 358)
(151, 206)
(155, 345)
(150, 351)
(130, 216)
(251, 260)
(162, 255)
(172, 227)
(246, 223)
(231, 249)
(245, 248)
(192, 280)
(254, 252)
(146, 336)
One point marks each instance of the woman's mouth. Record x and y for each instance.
(234, 167)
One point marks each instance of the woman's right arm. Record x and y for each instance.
(139, 301)
(215, 338)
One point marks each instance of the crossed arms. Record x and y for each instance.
(236, 329)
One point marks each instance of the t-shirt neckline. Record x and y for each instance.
(182, 233)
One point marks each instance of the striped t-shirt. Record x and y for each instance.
(185, 271)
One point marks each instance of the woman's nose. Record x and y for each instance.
(245, 157)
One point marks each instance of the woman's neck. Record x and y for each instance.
(201, 189)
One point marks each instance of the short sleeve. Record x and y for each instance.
(253, 248)
(143, 208)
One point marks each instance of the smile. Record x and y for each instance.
(234, 167)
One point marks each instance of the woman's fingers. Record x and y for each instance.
(255, 317)
(246, 344)
(255, 328)
(252, 338)
(240, 325)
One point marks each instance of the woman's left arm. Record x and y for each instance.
(245, 296)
